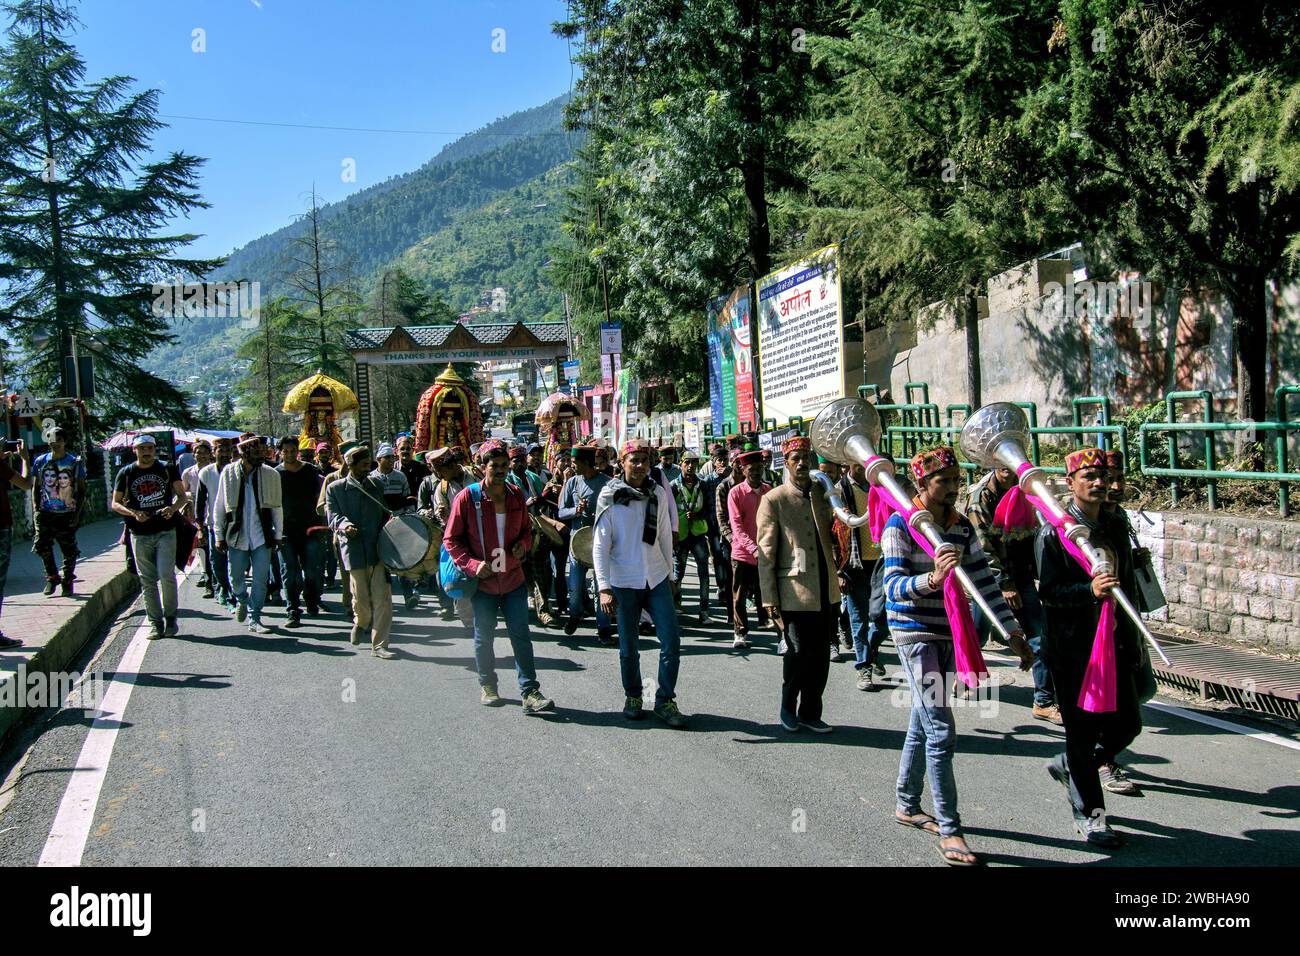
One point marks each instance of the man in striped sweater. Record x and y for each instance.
(918, 624)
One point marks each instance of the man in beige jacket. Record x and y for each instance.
(796, 577)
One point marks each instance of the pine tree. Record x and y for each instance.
(272, 368)
(324, 288)
(79, 216)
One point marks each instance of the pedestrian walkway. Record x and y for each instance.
(54, 629)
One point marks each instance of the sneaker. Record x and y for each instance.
(1114, 779)
(411, 601)
(241, 612)
(448, 614)
(789, 721)
(739, 643)
(172, 628)
(546, 618)
(702, 618)
(879, 669)
(838, 656)
(864, 680)
(383, 653)
(50, 585)
(209, 594)
(846, 645)
(1098, 833)
(632, 709)
(357, 634)
(155, 632)
(1050, 713)
(645, 627)
(295, 619)
(313, 610)
(817, 726)
(488, 696)
(571, 626)
(1059, 773)
(257, 627)
(670, 715)
(782, 647)
(606, 639)
(203, 582)
(67, 587)
(535, 704)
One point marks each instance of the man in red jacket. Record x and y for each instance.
(488, 534)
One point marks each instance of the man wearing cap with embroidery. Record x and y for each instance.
(149, 494)
(578, 509)
(796, 575)
(1072, 603)
(209, 480)
(632, 552)
(249, 518)
(692, 528)
(301, 554)
(742, 507)
(716, 486)
(355, 509)
(918, 622)
(488, 535)
(536, 572)
(399, 495)
(861, 580)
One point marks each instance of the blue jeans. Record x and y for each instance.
(260, 560)
(931, 734)
(220, 570)
(658, 600)
(699, 549)
(302, 568)
(1030, 617)
(868, 633)
(578, 597)
(513, 606)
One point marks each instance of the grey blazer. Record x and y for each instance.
(344, 502)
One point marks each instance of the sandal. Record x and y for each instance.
(954, 856)
(919, 821)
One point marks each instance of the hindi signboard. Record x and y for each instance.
(731, 361)
(801, 337)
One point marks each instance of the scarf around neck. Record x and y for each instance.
(619, 492)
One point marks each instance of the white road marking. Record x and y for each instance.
(71, 828)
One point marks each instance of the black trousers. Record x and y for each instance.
(60, 529)
(1092, 739)
(807, 661)
(721, 562)
(744, 585)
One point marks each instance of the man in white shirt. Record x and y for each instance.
(190, 479)
(632, 551)
(249, 519)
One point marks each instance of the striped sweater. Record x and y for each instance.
(915, 611)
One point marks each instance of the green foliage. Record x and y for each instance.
(80, 209)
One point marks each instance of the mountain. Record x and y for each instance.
(481, 213)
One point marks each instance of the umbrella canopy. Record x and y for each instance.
(123, 439)
(345, 400)
(549, 408)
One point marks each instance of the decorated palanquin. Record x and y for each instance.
(559, 417)
(320, 400)
(448, 415)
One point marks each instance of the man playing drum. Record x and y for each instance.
(578, 508)
(355, 508)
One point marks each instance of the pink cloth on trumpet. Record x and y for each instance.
(878, 507)
(1014, 511)
(1098, 693)
(969, 660)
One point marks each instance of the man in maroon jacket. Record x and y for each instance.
(488, 534)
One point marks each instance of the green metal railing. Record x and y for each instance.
(1210, 429)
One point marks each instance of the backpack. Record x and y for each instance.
(454, 581)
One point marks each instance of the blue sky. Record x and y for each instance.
(423, 65)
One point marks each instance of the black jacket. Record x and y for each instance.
(1070, 608)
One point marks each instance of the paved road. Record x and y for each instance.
(243, 749)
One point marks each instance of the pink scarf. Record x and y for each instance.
(1097, 695)
(965, 641)
(1014, 511)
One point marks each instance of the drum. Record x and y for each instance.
(549, 528)
(409, 545)
(580, 546)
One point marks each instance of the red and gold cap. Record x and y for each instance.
(1085, 458)
(926, 463)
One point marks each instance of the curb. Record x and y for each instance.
(63, 646)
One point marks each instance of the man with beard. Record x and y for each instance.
(249, 518)
(633, 555)
(356, 511)
(148, 495)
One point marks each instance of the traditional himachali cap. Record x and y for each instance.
(1085, 458)
(247, 439)
(518, 451)
(438, 456)
(689, 455)
(354, 451)
(747, 458)
(926, 463)
(535, 446)
(633, 445)
(322, 446)
(493, 446)
(796, 443)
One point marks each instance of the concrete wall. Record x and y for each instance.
(1229, 577)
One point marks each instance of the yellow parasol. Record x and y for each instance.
(345, 400)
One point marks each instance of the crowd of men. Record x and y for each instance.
(274, 525)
